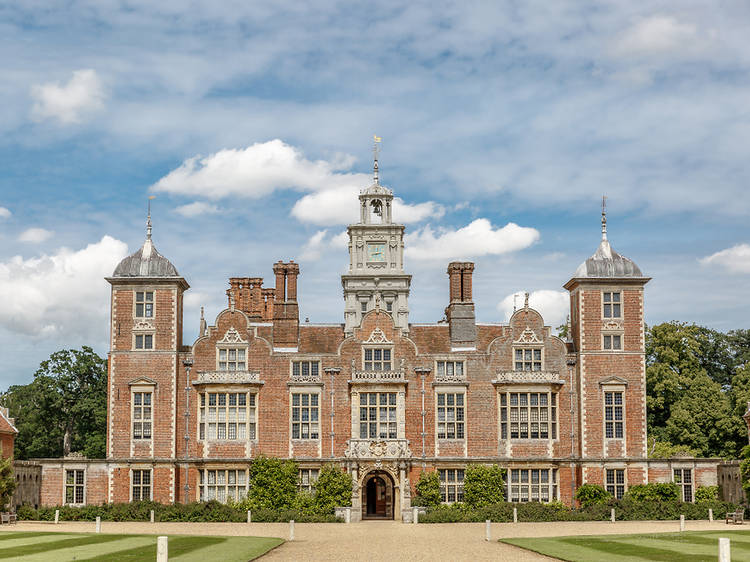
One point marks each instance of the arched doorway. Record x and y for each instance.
(377, 496)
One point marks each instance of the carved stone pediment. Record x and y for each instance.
(144, 326)
(232, 336)
(612, 325)
(378, 449)
(528, 336)
(377, 336)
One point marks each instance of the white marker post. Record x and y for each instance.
(348, 515)
(291, 529)
(98, 524)
(415, 515)
(612, 515)
(249, 516)
(515, 515)
(152, 516)
(682, 523)
(57, 516)
(725, 554)
(710, 515)
(487, 530)
(162, 549)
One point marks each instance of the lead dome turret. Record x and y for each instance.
(146, 262)
(606, 263)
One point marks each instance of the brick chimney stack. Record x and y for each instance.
(250, 297)
(285, 308)
(460, 311)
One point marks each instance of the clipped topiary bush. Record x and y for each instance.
(273, 484)
(332, 489)
(707, 494)
(483, 485)
(654, 492)
(592, 494)
(428, 490)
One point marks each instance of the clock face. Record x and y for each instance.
(376, 252)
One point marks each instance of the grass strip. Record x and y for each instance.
(692, 546)
(177, 546)
(43, 546)
(10, 535)
(70, 542)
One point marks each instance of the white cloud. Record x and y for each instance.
(735, 259)
(4, 213)
(62, 294)
(341, 240)
(256, 171)
(330, 206)
(68, 103)
(35, 235)
(554, 306)
(197, 208)
(655, 34)
(478, 238)
(403, 212)
(314, 247)
(263, 168)
(320, 242)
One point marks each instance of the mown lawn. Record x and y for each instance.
(30, 547)
(688, 546)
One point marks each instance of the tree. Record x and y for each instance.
(663, 450)
(64, 408)
(7, 482)
(693, 390)
(701, 419)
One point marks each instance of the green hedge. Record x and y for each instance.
(625, 510)
(201, 512)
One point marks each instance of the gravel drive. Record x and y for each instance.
(388, 540)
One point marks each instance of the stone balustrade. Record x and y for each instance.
(227, 377)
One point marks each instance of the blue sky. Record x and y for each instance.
(503, 124)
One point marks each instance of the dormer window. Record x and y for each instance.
(528, 359)
(232, 359)
(144, 304)
(377, 359)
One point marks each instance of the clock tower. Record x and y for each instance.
(376, 276)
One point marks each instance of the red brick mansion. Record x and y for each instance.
(382, 397)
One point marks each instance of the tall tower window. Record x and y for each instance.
(142, 415)
(144, 341)
(144, 304)
(612, 304)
